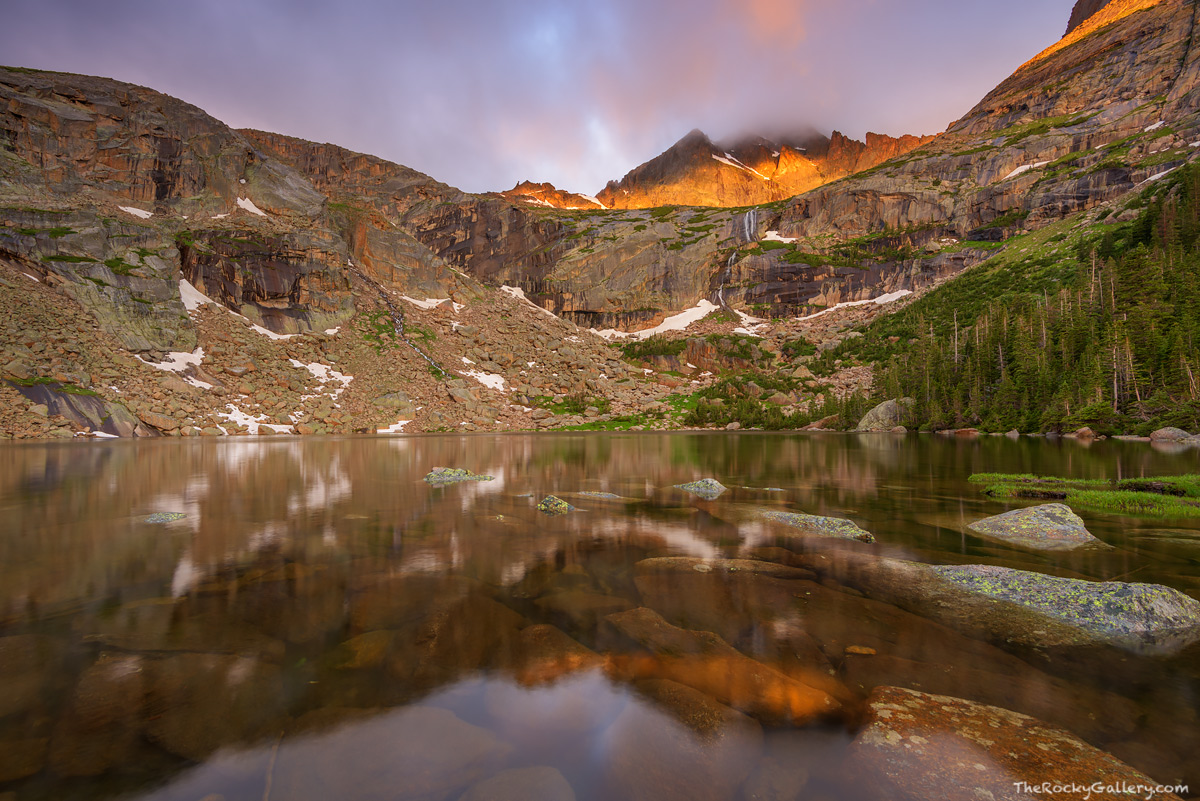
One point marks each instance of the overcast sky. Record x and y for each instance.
(484, 93)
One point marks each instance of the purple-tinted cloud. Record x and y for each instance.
(481, 94)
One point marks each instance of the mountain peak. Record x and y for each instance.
(1082, 11)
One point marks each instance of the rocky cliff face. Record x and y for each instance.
(695, 171)
(1084, 122)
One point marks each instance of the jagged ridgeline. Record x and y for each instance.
(1076, 325)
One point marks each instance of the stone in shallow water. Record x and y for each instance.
(822, 526)
(197, 703)
(707, 488)
(165, 517)
(103, 721)
(522, 784)
(453, 475)
(1047, 527)
(653, 757)
(408, 754)
(706, 663)
(26, 663)
(921, 747)
(554, 506)
(1127, 615)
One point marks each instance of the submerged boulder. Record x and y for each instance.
(707, 488)
(936, 748)
(453, 475)
(821, 526)
(520, 784)
(886, 416)
(1138, 616)
(1047, 527)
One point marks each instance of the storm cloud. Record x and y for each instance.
(484, 93)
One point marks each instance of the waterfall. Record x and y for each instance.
(750, 225)
(397, 319)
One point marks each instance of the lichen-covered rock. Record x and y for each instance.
(165, 517)
(554, 506)
(921, 747)
(821, 526)
(886, 416)
(1128, 615)
(707, 488)
(453, 475)
(1047, 527)
(1169, 434)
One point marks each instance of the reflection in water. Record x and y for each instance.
(323, 624)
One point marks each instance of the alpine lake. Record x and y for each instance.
(309, 618)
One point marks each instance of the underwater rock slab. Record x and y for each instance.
(822, 526)
(707, 488)
(922, 747)
(521, 784)
(1046, 527)
(1128, 615)
(453, 475)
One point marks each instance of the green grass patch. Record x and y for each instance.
(656, 345)
(1159, 496)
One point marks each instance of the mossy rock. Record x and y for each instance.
(554, 506)
(1137, 616)
(453, 475)
(1047, 527)
(165, 517)
(707, 488)
(822, 526)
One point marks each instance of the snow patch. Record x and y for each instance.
(177, 361)
(252, 424)
(676, 322)
(1153, 127)
(104, 435)
(33, 278)
(218, 216)
(593, 200)
(332, 331)
(141, 213)
(465, 360)
(395, 428)
(1024, 168)
(1158, 176)
(1194, 144)
(519, 294)
(248, 204)
(732, 162)
(773, 236)
(882, 299)
(428, 303)
(192, 298)
(268, 332)
(490, 380)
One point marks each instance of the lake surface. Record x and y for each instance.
(324, 624)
